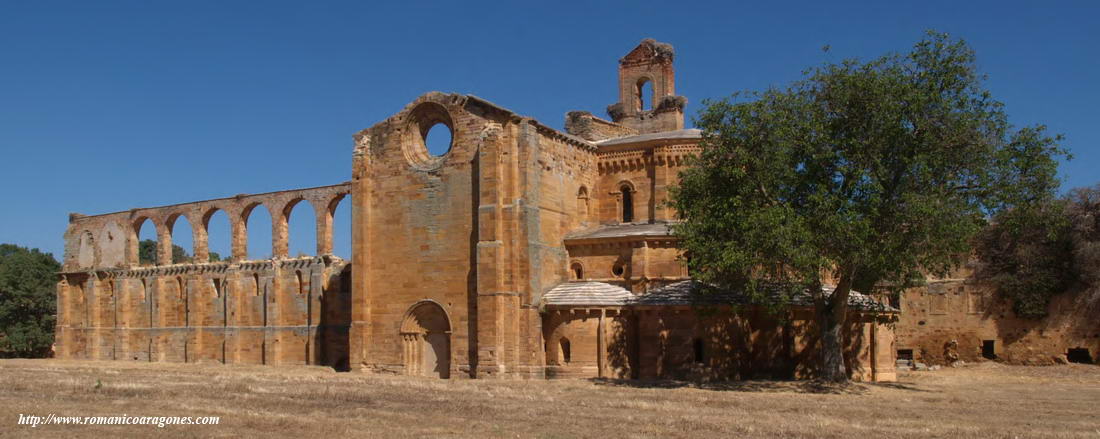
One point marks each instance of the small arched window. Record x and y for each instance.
(301, 285)
(256, 280)
(578, 271)
(182, 291)
(644, 92)
(565, 356)
(628, 204)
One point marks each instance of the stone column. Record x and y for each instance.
(359, 333)
(323, 213)
(885, 353)
(279, 241)
(488, 342)
(601, 345)
(239, 230)
(61, 332)
(200, 239)
(164, 244)
(661, 169)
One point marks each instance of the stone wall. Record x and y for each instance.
(636, 264)
(586, 126)
(274, 311)
(290, 311)
(983, 326)
(708, 344)
(646, 170)
(475, 232)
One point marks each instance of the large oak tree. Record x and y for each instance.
(866, 175)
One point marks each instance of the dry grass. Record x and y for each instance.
(987, 400)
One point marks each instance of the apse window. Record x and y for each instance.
(628, 204)
(578, 271)
(438, 139)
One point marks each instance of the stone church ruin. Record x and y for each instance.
(522, 251)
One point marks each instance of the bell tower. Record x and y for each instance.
(647, 90)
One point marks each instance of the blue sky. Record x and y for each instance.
(107, 106)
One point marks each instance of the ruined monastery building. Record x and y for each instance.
(522, 251)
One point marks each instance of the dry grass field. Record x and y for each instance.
(987, 400)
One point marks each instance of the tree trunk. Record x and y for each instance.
(832, 314)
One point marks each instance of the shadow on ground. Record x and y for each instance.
(788, 386)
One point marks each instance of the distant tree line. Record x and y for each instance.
(28, 301)
(28, 296)
(147, 254)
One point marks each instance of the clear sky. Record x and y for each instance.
(107, 105)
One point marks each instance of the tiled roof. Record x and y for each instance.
(691, 133)
(622, 231)
(690, 292)
(587, 294)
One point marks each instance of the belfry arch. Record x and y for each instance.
(426, 340)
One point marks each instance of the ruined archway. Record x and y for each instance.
(340, 237)
(86, 253)
(257, 221)
(426, 340)
(219, 235)
(301, 227)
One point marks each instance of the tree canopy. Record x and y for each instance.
(1032, 254)
(28, 301)
(865, 175)
(147, 253)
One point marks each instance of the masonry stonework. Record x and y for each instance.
(522, 251)
(961, 318)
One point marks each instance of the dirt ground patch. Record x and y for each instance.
(984, 400)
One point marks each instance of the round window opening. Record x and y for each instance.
(428, 138)
(438, 139)
(617, 270)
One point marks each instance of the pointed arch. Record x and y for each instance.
(144, 242)
(86, 253)
(112, 245)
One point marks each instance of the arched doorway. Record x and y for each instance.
(426, 340)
